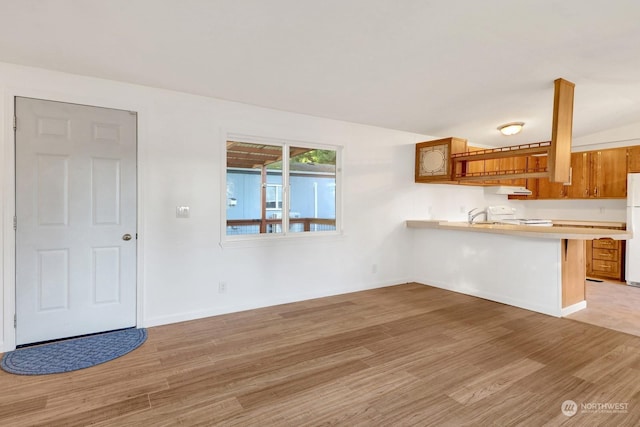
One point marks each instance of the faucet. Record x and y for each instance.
(471, 216)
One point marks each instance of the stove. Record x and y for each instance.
(507, 215)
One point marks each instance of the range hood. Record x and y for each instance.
(508, 190)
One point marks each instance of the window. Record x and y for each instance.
(274, 197)
(280, 188)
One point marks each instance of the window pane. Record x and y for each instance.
(312, 180)
(254, 188)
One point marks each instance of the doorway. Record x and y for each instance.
(75, 221)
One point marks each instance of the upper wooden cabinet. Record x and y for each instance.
(580, 176)
(609, 173)
(594, 174)
(514, 164)
(433, 159)
(633, 159)
(547, 189)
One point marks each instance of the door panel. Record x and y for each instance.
(75, 199)
(53, 279)
(105, 191)
(52, 190)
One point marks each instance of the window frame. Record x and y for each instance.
(278, 200)
(285, 234)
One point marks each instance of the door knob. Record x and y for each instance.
(126, 237)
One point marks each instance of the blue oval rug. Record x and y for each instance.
(74, 353)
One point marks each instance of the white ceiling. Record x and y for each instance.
(435, 67)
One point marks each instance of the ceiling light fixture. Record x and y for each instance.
(511, 128)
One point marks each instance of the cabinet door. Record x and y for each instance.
(513, 165)
(475, 167)
(610, 173)
(546, 189)
(633, 159)
(579, 188)
(492, 166)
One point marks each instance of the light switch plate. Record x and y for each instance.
(182, 211)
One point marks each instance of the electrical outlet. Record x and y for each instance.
(222, 287)
(463, 209)
(182, 211)
(374, 268)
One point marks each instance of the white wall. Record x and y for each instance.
(180, 142)
(623, 136)
(519, 271)
(591, 209)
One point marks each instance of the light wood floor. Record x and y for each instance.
(407, 355)
(611, 305)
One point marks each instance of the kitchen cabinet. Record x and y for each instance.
(513, 164)
(633, 159)
(492, 166)
(531, 164)
(580, 176)
(547, 189)
(473, 168)
(605, 259)
(594, 174)
(433, 159)
(609, 173)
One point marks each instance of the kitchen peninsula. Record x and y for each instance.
(537, 268)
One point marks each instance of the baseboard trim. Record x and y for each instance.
(574, 308)
(495, 298)
(235, 308)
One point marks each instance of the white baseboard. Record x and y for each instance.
(574, 308)
(284, 299)
(495, 297)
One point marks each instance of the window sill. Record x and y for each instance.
(271, 239)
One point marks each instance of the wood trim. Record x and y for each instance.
(560, 153)
(573, 272)
(501, 176)
(506, 152)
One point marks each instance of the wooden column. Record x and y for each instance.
(560, 153)
(573, 272)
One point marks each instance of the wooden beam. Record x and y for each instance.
(560, 153)
(520, 152)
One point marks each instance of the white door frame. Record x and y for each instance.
(8, 194)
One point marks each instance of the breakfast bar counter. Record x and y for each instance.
(539, 268)
(560, 229)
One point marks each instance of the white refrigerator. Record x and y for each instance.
(632, 273)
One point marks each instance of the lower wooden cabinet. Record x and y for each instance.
(605, 259)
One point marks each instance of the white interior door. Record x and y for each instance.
(75, 208)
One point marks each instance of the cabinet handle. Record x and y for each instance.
(595, 191)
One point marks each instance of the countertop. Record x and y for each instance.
(583, 223)
(575, 230)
